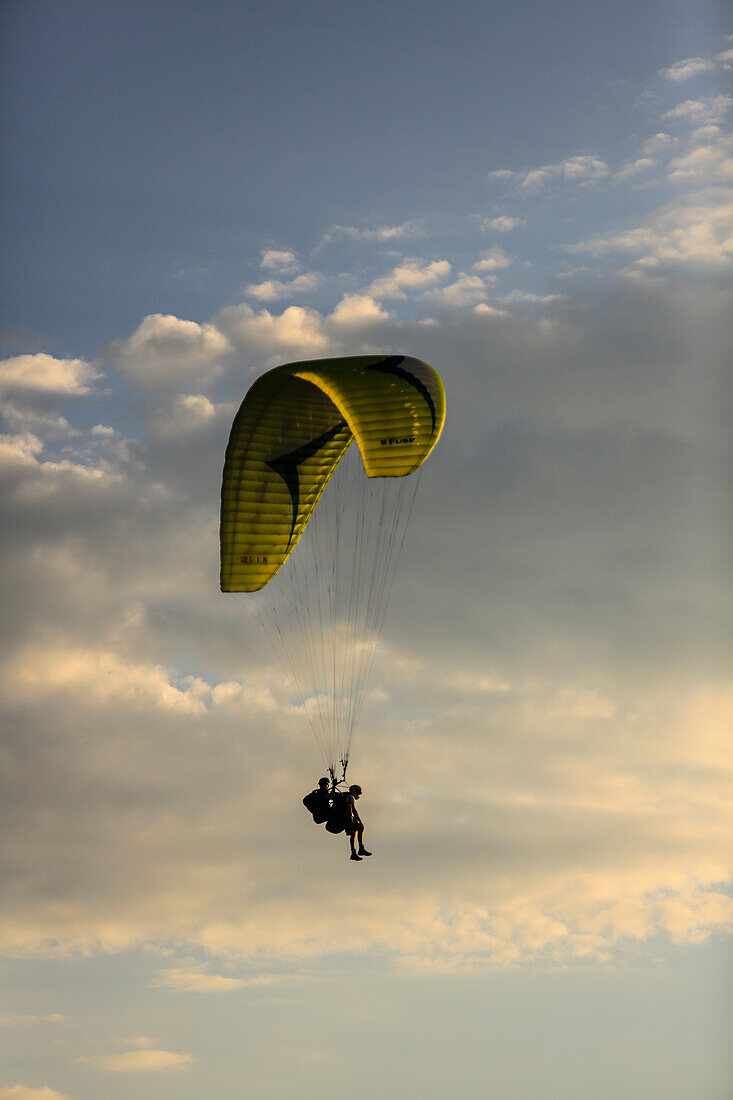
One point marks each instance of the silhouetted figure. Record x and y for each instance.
(318, 802)
(344, 818)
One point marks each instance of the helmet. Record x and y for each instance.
(355, 789)
(324, 782)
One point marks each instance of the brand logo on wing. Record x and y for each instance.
(286, 466)
(390, 440)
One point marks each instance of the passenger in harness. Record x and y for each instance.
(318, 802)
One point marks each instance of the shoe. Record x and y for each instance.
(363, 852)
(354, 856)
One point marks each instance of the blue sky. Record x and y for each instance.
(153, 150)
(535, 199)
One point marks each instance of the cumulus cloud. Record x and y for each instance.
(635, 167)
(524, 297)
(684, 232)
(503, 224)
(42, 373)
(26, 419)
(709, 159)
(296, 331)
(657, 144)
(23, 454)
(383, 234)
(482, 309)
(273, 289)
(58, 668)
(410, 277)
(196, 980)
(467, 290)
(187, 415)
(582, 168)
(709, 110)
(685, 70)
(279, 259)
(139, 1061)
(493, 260)
(167, 352)
(501, 174)
(358, 309)
(651, 151)
(20, 450)
(564, 704)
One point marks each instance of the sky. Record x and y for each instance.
(537, 200)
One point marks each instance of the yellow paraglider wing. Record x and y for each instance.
(290, 433)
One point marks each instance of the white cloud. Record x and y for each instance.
(482, 309)
(167, 352)
(195, 408)
(523, 297)
(502, 224)
(569, 550)
(582, 168)
(272, 289)
(635, 167)
(358, 309)
(296, 331)
(411, 276)
(279, 259)
(684, 70)
(651, 150)
(492, 260)
(658, 143)
(382, 234)
(43, 373)
(705, 162)
(691, 918)
(21, 454)
(197, 980)
(712, 109)
(19, 450)
(29, 419)
(101, 676)
(139, 1061)
(186, 415)
(686, 232)
(24, 1092)
(467, 290)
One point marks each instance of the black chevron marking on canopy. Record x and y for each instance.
(286, 466)
(392, 366)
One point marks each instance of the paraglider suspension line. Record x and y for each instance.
(344, 765)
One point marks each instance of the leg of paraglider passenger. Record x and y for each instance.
(352, 842)
(362, 849)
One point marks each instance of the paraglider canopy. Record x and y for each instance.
(289, 437)
(291, 432)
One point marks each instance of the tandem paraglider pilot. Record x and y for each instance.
(338, 810)
(344, 818)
